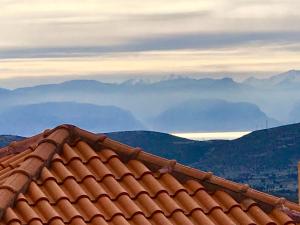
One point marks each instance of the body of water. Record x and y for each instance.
(204, 136)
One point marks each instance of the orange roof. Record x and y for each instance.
(70, 176)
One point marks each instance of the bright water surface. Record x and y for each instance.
(204, 136)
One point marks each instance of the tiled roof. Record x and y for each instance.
(70, 176)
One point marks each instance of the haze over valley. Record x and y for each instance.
(177, 104)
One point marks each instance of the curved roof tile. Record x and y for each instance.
(70, 176)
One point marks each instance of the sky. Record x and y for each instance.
(63, 37)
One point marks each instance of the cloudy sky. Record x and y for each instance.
(75, 37)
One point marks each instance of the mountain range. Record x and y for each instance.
(289, 79)
(197, 115)
(295, 113)
(153, 103)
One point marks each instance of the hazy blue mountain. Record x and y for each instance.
(68, 86)
(148, 99)
(292, 76)
(31, 119)
(289, 79)
(128, 95)
(212, 115)
(4, 91)
(198, 84)
(278, 94)
(295, 113)
(136, 85)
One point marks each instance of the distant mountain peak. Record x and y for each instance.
(293, 71)
(286, 79)
(136, 81)
(82, 81)
(288, 74)
(227, 79)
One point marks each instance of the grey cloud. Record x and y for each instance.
(120, 18)
(171, 16)
(200, 41)
(211, 40)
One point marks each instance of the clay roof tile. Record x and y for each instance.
(71, 176)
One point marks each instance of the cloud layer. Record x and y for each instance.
(248, 35)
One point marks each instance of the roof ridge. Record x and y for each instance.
(53, 140)
(20, 146)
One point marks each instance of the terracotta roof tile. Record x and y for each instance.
(71, 176)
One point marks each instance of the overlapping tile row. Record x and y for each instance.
(162, 164)
(10, 162)
(83, 186)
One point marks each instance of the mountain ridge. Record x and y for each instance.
(161, 95)
(265, 159)
(29, 119)
(209, 115)
(285, 79)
